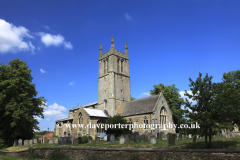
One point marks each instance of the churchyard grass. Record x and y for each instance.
(5, 157)
(184, 144)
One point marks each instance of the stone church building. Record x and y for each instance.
(114, 98)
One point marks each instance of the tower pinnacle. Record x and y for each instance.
(100, 50)
(112, 43)
(126, 48)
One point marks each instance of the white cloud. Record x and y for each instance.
(12, 38)
(128, 17)
(54, 40)
(42, 70)
(71, 83)
(144, 94)
(55, 111)
(48, 119)
(185, 97)
(38, 118)
(47, 27)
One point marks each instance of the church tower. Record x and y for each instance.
(113, 80)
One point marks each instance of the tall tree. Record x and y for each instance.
(171, 93)
(18, 102)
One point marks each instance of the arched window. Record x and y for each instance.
(122, 66)
(80, 120)
(105, 104)
(107, 66)
(145, 121)
(163, 117)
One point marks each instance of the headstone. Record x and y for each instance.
(79, 140)
(75, 141)
(50, 141)
(127, 139)
(223, 133)
(97, 139)
(89, 140)
(45, 140)
(121, 139)
(108, 137)
(189, 136)
(177, 135)
(112, 138)
(162, 134)
(137, 139)
(60, 141)
(30, 142)
(35, 141)
(15, 142)
(20, 142)
(145, 138)
(228, 133)
(26, 143)
(39, 141)
(141, 137)
(134, 135)
(152, 139)
(194, 138)
(158, 135)
(233, 135)
(64, 140)
(180, 137)
(217, 136)
(197, 136)
(171, 139)
(105, 138)
(55, 140)
(68, 139)
(117, 138)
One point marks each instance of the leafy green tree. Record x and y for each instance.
(18, 102)
(118, 130)
(172, 96)
(132, 98)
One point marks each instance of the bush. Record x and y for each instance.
(84, 139)
(1, 143)
(58, 155)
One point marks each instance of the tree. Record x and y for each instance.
(132, 98)
(18, 102)
(117, 130)
(173, 100)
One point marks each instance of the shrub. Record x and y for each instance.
(84, 139)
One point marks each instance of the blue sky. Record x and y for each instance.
(168, 42)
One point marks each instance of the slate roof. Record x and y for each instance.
(95, 112)
(65, 119)
(90, 104)
(139, 106)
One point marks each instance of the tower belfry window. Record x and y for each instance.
(122, 66)
(107, 66)
(104, 66)
(118, 65)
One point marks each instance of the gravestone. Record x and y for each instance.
(223, 133)
(117, 138)
(26, 143)
(15, 142)
(105, 137)
(137, 139)
(177, 135)
(45, 140)
(194, 138)
(20, 142)
(97, 140)
(197, 136)
(64, 140)
(141, 137)
(127, 139)
(189, 136)
(75, 141)
(112, 138)
(89, 140)
(162, 134)
(68, 139)
(30, 142)
(121, 139)
(180, 137)
(145, 138)
(55, 140)
(108, 137)
(35, 141)
(79, 140)
(39, 141)
(233, 135)
(171, 139)
(217, 136)
(228, 134)
(152, 139)
(60, 141)
(134, 135)
(174, 136)
(50, 141)
(158, 135)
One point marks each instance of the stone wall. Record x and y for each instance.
(142, 153)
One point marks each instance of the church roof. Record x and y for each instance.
(95, 112)
(65, 119)
(139, 106)
(87, 105)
